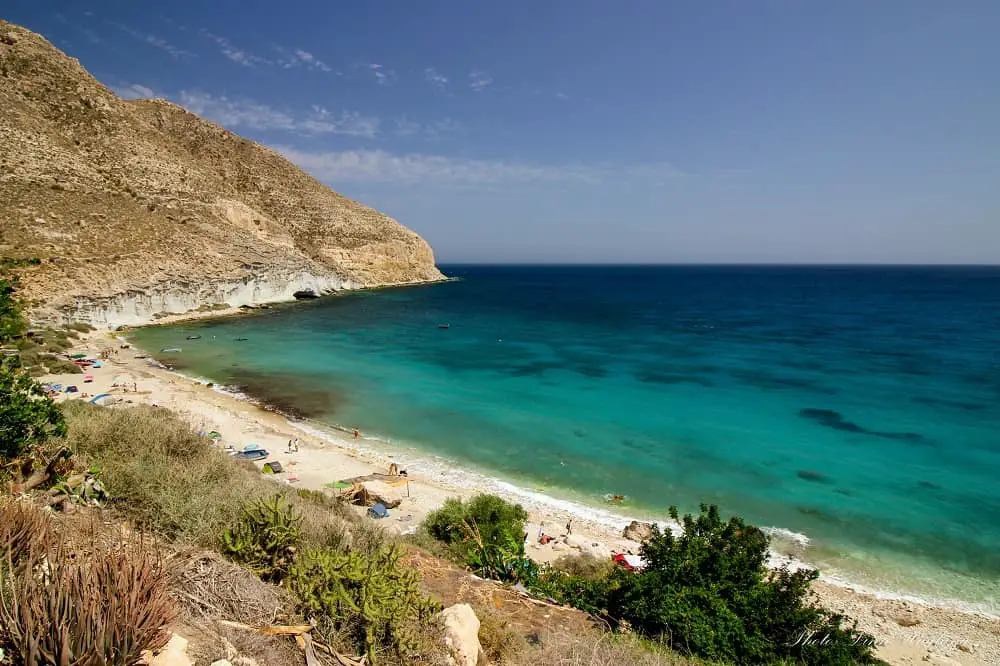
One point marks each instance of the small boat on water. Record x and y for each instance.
(170, 350)
(194, 337)
(444, 325)
(614, 499)
(240, 339)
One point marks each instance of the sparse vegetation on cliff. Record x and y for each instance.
(104, 190)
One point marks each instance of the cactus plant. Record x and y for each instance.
(371, 599)
(265, 539)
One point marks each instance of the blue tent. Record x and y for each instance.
(378, 511)
(98, 397)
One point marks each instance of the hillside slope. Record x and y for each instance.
(140, 207)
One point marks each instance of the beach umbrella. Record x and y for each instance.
(98, 397)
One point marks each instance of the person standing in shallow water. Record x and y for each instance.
(355, 433)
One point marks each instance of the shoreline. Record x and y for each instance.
(251, 309)
(911, 630)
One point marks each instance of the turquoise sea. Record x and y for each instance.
(855, 410)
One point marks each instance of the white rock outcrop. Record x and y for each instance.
(461, 635)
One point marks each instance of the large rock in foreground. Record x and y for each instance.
(140, 207)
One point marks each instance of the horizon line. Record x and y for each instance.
(734, 264)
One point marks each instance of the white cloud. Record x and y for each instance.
(479, 80)
(297, 57)
(382, 166)
(153, 40)
(435, 78)
(309, 60)
(133, 91)
(383, 76)
(249, 114)
(407, 127)
(238, 56)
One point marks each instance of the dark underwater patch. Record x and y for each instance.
(955, 404)
(290, 395)
(815, 477)
(928, 485)
(777, 382)
(667, 378)
(836, 420)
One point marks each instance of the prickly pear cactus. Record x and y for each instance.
(372, 598)
(265, 539)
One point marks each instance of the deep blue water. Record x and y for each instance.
(857, 406)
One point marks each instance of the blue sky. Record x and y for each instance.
(698, 131)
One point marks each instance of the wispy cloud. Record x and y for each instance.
(244, 113)
(311, 61)
(297, 57)
(479, 80)
(383, 76)
(406, 127)
(382, 166)
(153, 40)
(91, 36)
(133, 91)
(435, 78)
(238, 56)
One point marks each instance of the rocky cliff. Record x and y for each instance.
(140, 207)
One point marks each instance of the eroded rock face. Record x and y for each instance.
(461, 635)
(138, 207)
(636, 531)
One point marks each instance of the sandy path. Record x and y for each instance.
(934, 635)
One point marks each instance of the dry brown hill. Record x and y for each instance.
(141, 207)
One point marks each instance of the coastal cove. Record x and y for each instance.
(853, 410)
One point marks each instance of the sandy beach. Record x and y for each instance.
(908, 632)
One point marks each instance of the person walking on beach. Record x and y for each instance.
(569, 526)
(289, 447)
(296, 444)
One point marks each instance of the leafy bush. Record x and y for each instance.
(497, 520)
(57, 607)
(371, 602)
(487, 534)
(265, 539)
(707, 592)
(12, 321)
(27, 417)
(80, 327)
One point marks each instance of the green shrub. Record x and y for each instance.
(487, 534)
(27, 416)
(265, 539)
(370, 602)
(497, 520)
(80, 327)
(708, 592)
(58, 366)
(12, 321)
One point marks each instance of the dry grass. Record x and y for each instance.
(584, 564)
(161, 475)
(210, 587)
(165, 478)
(595, 649)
